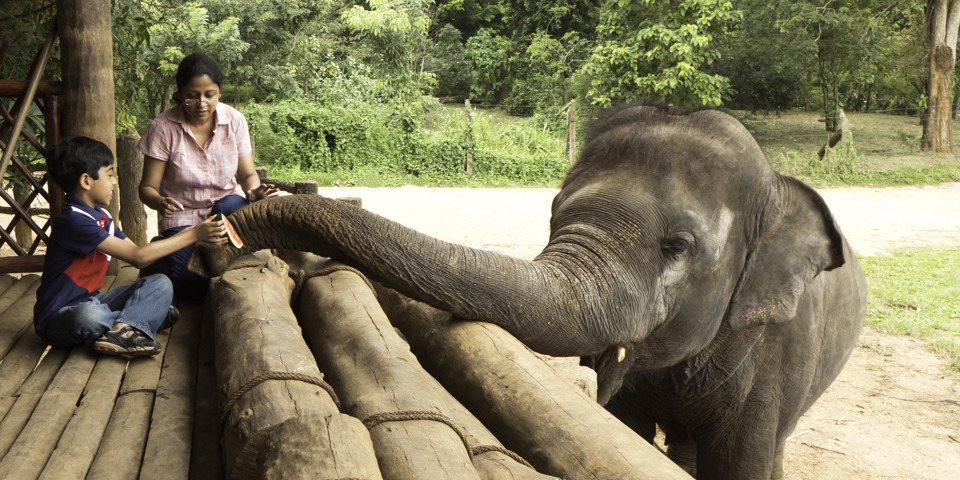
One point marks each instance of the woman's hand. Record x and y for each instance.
(212, 231)
(262, 191)
(169, 206)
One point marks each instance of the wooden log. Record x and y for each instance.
(490, 458)
(206, 460)
(6, 281)
(277, 423)
(376, 375)
(18, 365)
(34, 444)
(27, 397)
(80, 440)
(533, 411)
(16, 290)
(170, 439)
(126, 435)
(18, 316)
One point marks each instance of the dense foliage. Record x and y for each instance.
(341, 85)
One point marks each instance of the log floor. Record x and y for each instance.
(71, 413)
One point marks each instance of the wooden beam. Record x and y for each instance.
(17, 88)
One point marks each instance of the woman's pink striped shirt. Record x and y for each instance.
(196, 177)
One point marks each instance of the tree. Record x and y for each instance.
(768, 66)
(943, 22)
(398, 31)
(653, 49)
(150, 38)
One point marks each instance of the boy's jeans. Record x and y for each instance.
(187, 285)
(142, 305)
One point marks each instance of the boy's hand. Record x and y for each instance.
(212, 231)
(169, 206)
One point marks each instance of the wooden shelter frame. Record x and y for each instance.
(46, 95)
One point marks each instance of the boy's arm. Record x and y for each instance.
(209, 231)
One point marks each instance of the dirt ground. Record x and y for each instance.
(892, 413)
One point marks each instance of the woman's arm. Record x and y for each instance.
(250, 181)
(150, 188)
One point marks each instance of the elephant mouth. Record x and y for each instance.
(611, 365)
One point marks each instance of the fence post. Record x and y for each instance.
(572, 131)
(466, 109)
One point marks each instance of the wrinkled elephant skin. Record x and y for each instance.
(713, 296)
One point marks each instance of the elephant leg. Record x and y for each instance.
(744, 447)
(684, 455)
(777, 473)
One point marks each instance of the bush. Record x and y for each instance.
(344, 145)
(326, 138)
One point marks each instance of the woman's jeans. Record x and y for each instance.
(187, 285)
(142, 305)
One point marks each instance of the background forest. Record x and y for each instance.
(359, 92)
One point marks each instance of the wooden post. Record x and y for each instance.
(523, 401)
(572, 131)
(277, 419)
(51, 118)
(466, 109)
(133, 218)
(22, 230)
(86, 62)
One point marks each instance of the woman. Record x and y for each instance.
(198, 161)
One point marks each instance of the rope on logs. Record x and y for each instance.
(378, 418)
(372, 420)
(275, 375)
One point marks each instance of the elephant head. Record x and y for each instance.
(670, 227)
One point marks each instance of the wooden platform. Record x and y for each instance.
(70, 413)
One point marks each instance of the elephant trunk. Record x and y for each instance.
(533, 300)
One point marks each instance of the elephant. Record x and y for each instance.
(714, 297)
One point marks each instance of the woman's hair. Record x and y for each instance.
(198, 65)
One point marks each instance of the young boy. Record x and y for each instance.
(70, 309)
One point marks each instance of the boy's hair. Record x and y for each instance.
(69, 159)
(198, 65)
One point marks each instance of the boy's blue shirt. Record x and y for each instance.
(73, 269)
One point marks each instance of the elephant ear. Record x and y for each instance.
(800, 241)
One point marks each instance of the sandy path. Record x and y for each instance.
(516, 221)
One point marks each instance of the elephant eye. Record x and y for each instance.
(677, 244)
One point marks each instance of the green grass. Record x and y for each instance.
(916, 292)
(887, 149)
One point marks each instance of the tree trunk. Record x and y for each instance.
(133, 218)
(86, 64)
(944, 21)
(825, 91)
